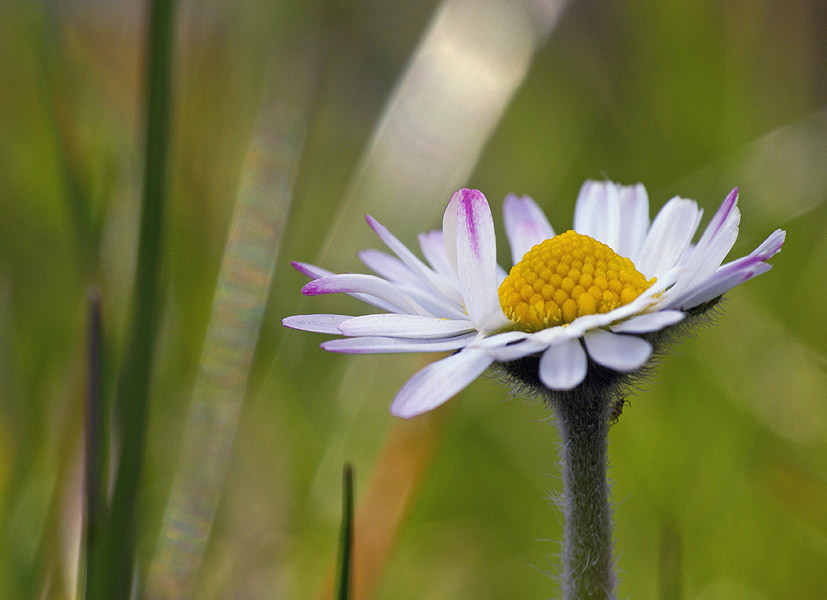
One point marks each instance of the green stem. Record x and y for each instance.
(588, 569)
(114, 564)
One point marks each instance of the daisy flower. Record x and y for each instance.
(589, 299)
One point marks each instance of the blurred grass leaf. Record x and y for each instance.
(238, 307)
(343, 567)
(110, 571)
(453, 93)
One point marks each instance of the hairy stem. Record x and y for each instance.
(584, 422)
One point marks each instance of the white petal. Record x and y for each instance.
(404, 326)
(315, 323)
(501, 339)
(715, 243)
(432, 245)
(501, 275)
(377, 302)
(387, 266)
(634, 220)
(584, 213)
(477, 261)
(649, 322)
(738, 271)
(563, 366)
(669, 236)
(719, 284)
(727, 216)
(384, 345)
(597, 212)
(432, 301)
(438, 382)
(622, 353)
(508, 346)
(317, 272)
(436, 281)
(515, 351)
(449, 229)
(311, 271)
(770, 246)
(553, 335)
(365, 284)
(525, 225)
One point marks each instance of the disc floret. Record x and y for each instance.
(566, 277)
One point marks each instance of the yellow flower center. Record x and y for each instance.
(566, 277)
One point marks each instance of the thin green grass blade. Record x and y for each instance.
(343, 568)
(96, 439)
(112, 569)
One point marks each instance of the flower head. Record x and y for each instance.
(588, 298)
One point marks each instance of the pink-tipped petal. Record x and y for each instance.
(364, 284)
(669, 236)
(621, 353)
(525, 225)
(315, 272)
(476, 254)
(719, 236)
(563, 366)
(722, 218)
(316, 323)
(733, 273)
(309, 270)
(404, 326)
(770, 246)
(710, 251)
(438, 382)
(720, 284)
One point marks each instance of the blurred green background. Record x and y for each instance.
(720, 466)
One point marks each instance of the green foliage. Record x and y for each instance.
(718, 468)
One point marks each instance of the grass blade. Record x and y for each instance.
(112, 568)
(343, 577)
(95, 437)
(390, 490)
